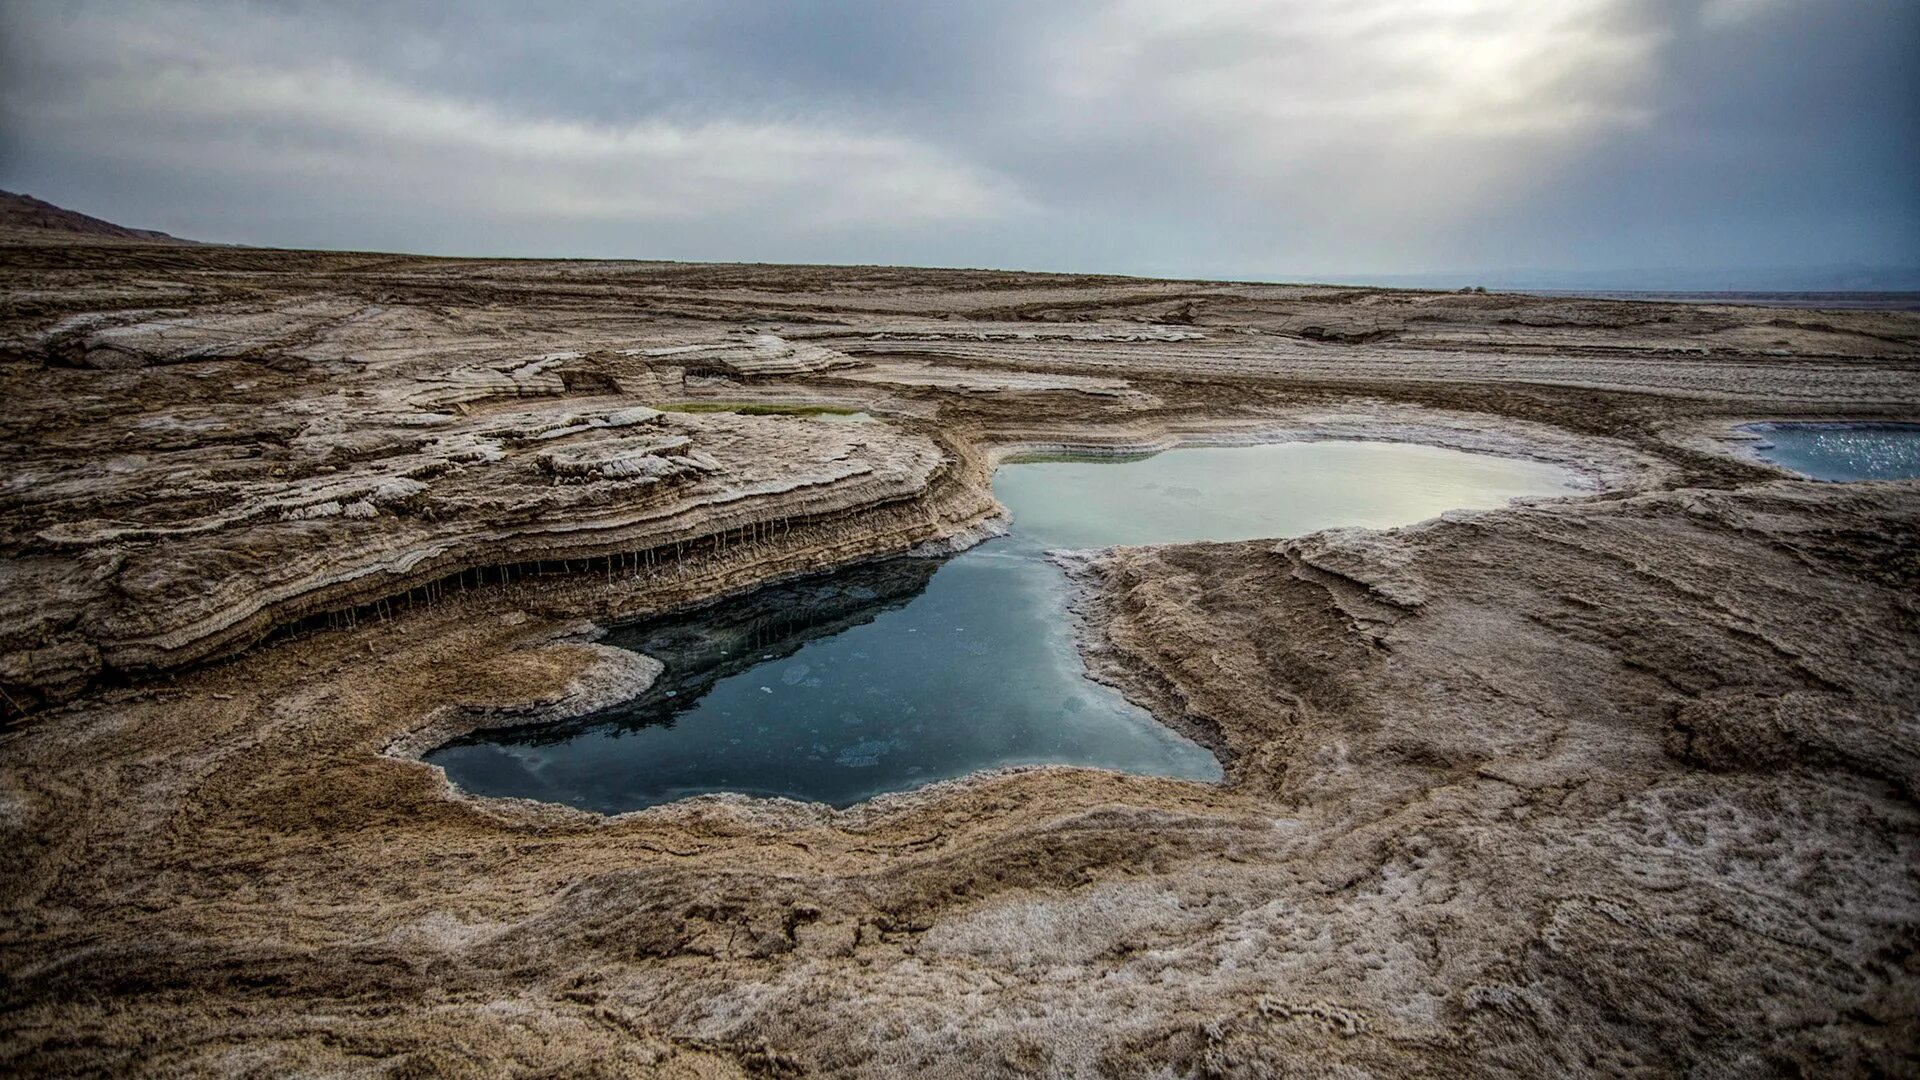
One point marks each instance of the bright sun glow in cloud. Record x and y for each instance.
(1339, 106)
(1428, 69)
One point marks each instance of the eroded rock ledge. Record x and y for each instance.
(1660, 753)
(367, 505)
(1628, 782)
(1614, 786)
(398, 506)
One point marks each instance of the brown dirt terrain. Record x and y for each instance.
(1626, 784)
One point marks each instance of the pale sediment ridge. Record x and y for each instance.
(1684, 371)
(617, 560)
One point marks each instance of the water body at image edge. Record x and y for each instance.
(890, 675)
(1841, 451)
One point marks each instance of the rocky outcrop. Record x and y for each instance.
(1621, 785)
(1629, 789)
(1658, 752)
(375, 501)
(754, 355)
(124, 340)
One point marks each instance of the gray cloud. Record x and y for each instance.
(1215, 137)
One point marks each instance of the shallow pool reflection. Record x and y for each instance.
(891, 675)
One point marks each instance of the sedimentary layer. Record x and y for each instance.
(1620, 784)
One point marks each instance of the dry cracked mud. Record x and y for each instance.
(1619, 784)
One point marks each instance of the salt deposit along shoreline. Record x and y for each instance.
(1618, 783)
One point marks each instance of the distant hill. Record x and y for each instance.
(24, 213)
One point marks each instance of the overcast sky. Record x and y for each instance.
(1227, 138)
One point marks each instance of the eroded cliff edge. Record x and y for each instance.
(1623, 784)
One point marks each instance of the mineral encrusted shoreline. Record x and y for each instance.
(1617, 784)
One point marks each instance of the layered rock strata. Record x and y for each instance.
(424, 498)
(1619, 785)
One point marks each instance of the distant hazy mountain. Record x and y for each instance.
(1840, 278)
(24, 213)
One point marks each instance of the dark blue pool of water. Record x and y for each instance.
(1842, 451)
(891, 675)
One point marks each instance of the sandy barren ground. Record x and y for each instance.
(1626, 784)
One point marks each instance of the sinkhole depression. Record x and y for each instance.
(890, 675)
